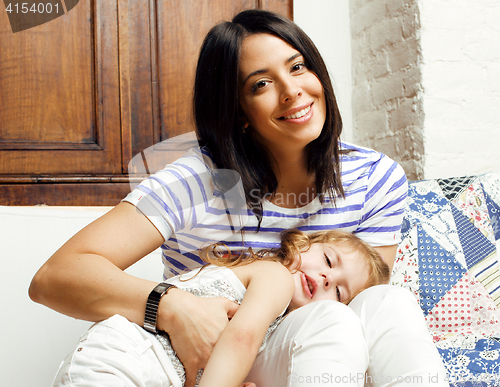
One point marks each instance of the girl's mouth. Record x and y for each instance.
(308, 284)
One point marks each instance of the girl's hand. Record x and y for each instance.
(194, 325)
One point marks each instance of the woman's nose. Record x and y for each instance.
(290, 91)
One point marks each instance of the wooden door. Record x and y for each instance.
(59, 104)
(84, 93)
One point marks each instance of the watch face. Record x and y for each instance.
(162, 287)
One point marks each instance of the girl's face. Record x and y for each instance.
(282, 99)
(328, 272)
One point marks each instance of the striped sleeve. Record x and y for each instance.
(173, 198)
(385, 200)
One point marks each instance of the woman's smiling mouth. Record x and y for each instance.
(297, 113)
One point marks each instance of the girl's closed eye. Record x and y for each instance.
(328, 261)
(339, 297)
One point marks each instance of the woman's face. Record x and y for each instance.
(328, 272)
(282, 99)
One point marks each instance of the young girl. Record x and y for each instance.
(324, 266)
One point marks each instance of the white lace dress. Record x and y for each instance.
(211, 281)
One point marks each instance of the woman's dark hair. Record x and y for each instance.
(219, 117)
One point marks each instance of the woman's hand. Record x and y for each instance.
(194, 325)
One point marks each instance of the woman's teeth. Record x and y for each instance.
(299, 114)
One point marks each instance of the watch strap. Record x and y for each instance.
(151, 315)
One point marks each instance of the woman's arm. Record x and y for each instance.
(269, 290)
(85, 279)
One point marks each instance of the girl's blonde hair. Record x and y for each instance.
(295, 242)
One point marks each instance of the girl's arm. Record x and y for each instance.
(269, 289)
(85, 279)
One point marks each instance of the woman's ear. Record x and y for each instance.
(244, 128)
(242, 119)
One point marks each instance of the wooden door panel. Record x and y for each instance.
(283, 7)
(64, 194)
(40, 69)
(59, 94)
(138, 77)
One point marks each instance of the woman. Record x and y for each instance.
(264, 107)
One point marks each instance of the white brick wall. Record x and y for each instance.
(387, 105)
(426, 83)
(461, 82)
(327, 24)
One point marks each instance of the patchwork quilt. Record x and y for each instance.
(448, 258)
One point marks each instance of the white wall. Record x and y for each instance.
(460, 42)
(427, 83)
(35, 339)
(327, 24)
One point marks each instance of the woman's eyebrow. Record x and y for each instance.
(255, 73)
(262, 71)
(294, 57)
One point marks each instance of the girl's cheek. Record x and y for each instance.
(324, 296)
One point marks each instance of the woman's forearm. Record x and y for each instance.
(90, 287)
(85, 278)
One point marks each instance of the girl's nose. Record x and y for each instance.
(327, 280)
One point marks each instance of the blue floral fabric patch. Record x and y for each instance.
(448, 257)
(477, 366)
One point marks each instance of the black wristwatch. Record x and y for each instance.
(152, 305)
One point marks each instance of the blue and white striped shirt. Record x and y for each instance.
(187, 208)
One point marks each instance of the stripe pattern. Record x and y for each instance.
(187, 205)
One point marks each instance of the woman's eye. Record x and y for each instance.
(298, 66)
(259, 85)
(338, 293)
